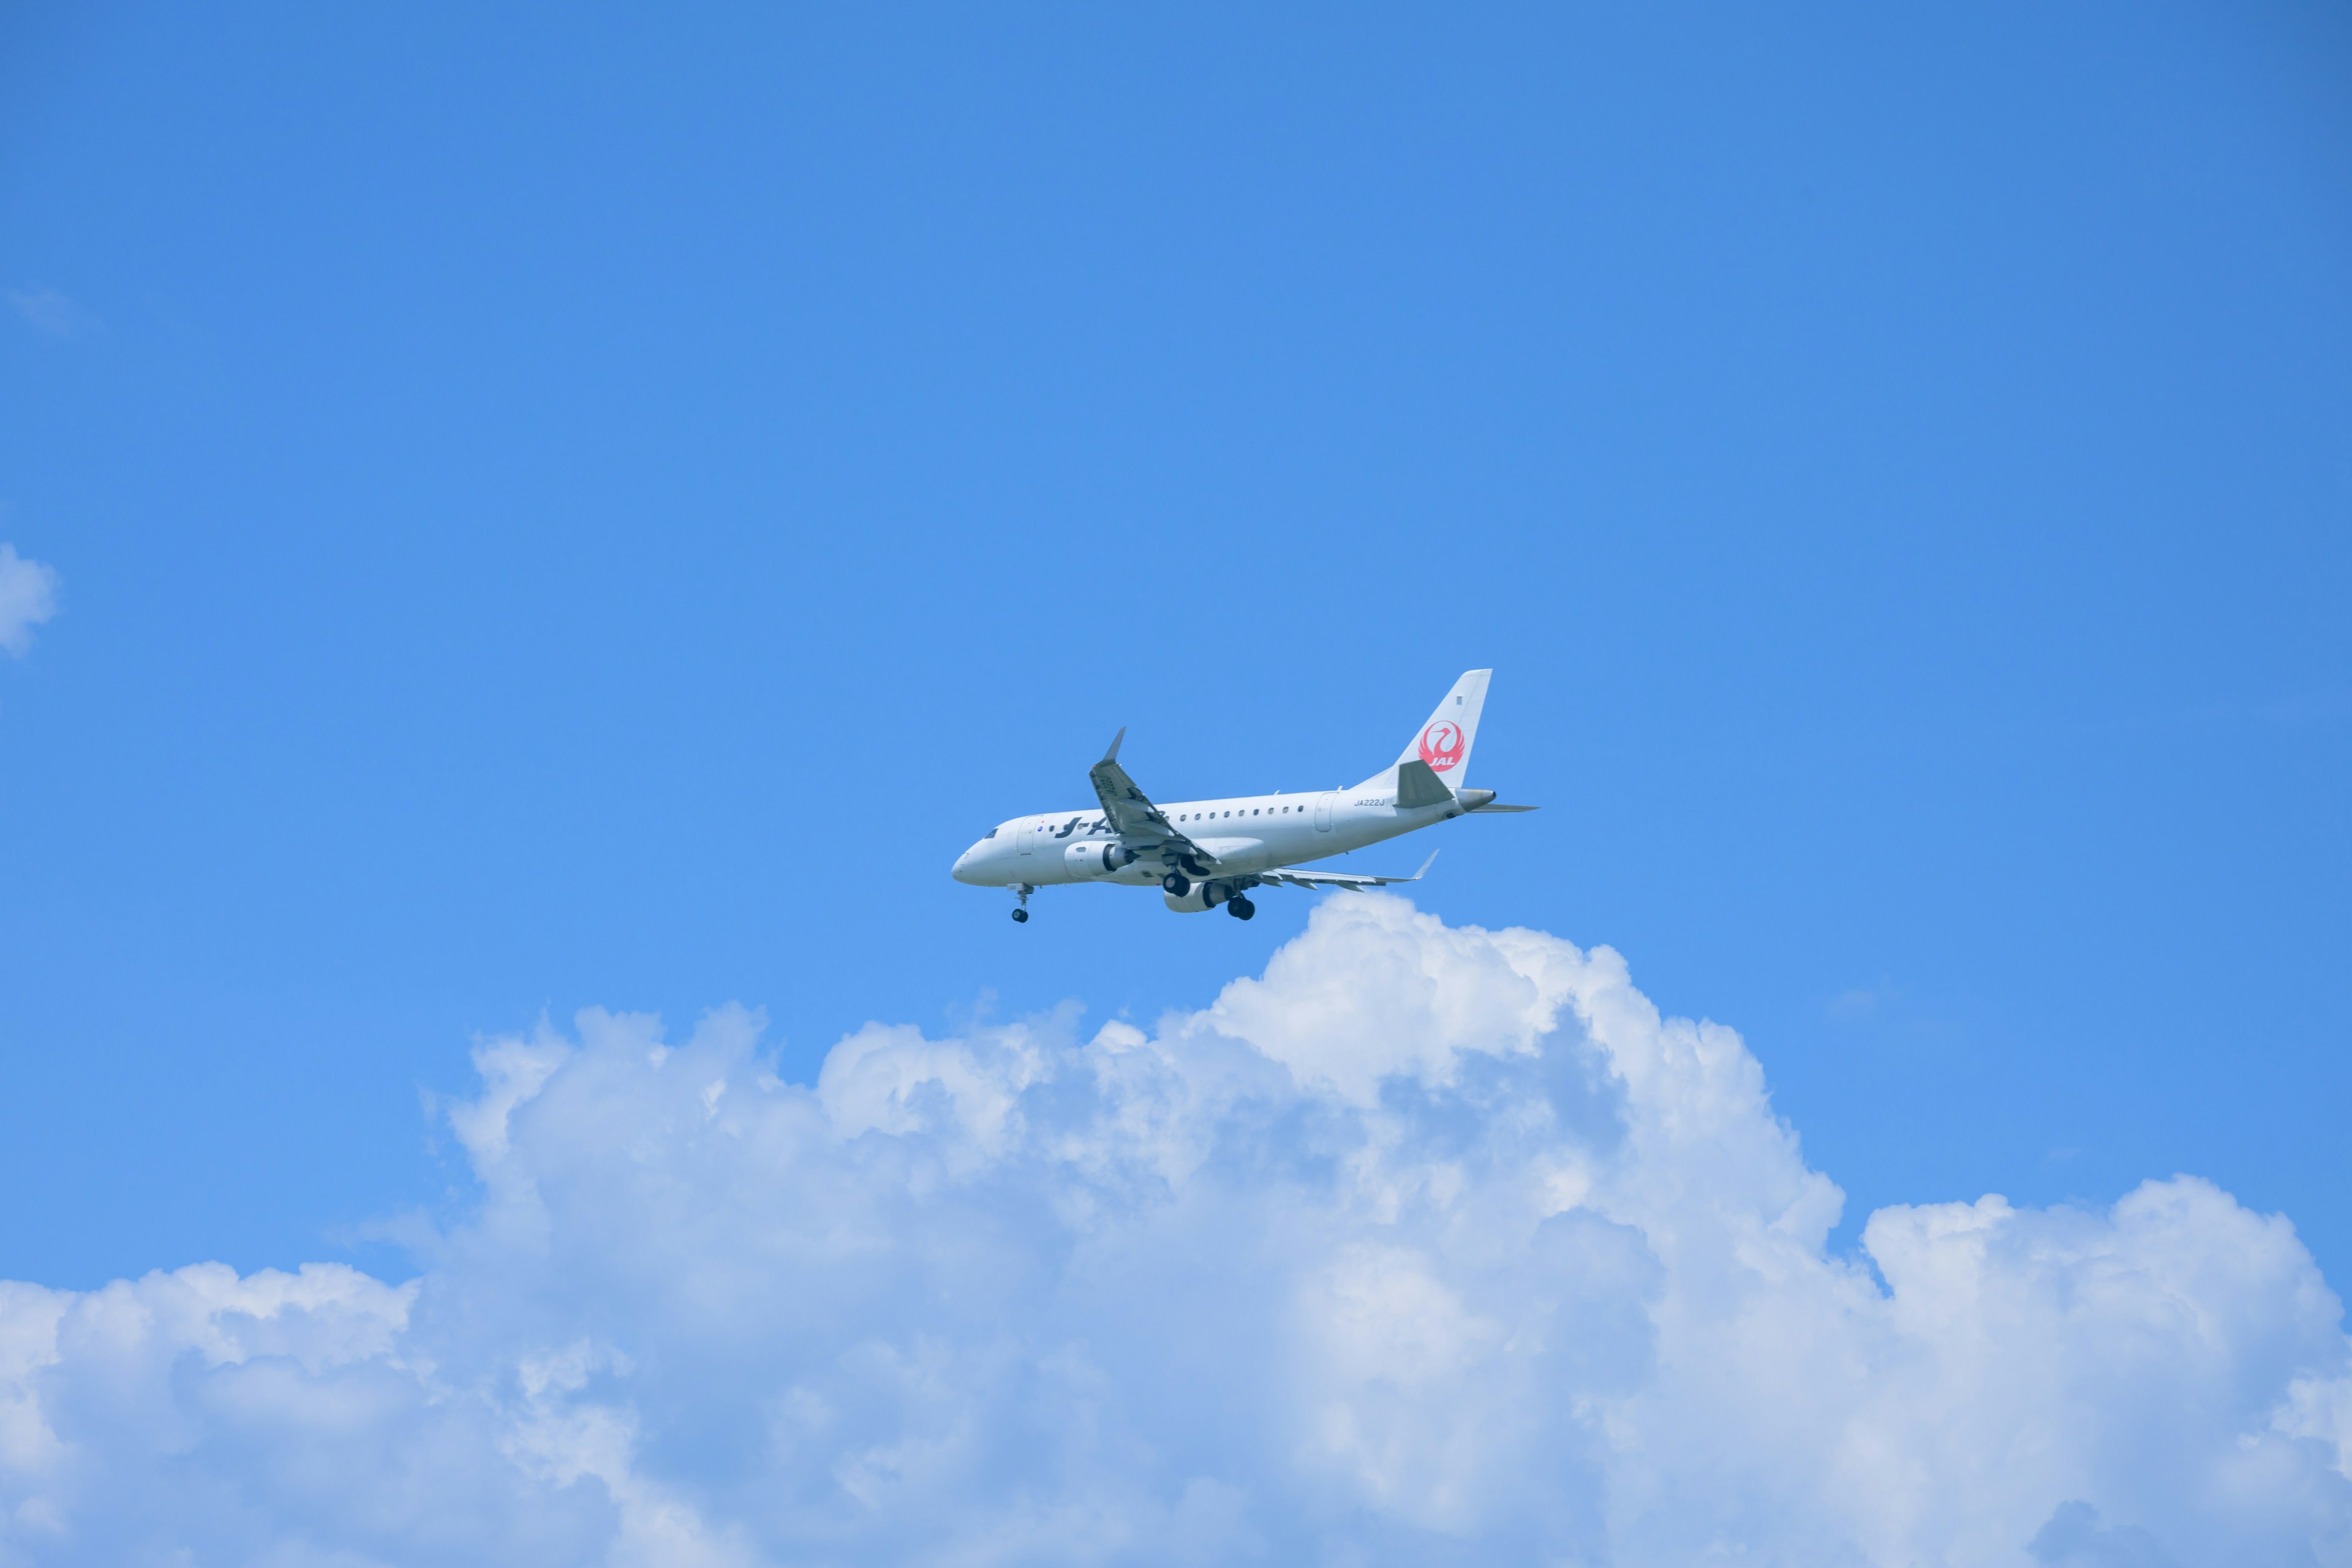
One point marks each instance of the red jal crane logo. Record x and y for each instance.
(1441, 746)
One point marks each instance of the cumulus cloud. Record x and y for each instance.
(28, 595)
(1430, 1244)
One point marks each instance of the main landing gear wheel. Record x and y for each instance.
(1020, 915)
(1241, 908)
(1175, 884)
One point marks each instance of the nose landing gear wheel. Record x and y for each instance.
(1175, 884)
(1240, 909)
(1020, 915)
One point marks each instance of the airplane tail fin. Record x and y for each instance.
(1444, 740)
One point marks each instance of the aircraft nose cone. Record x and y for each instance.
(961, 870)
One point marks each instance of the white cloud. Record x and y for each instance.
(1430, 1245)
(48, 313)
(28, 595)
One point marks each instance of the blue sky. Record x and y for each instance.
(555, 511)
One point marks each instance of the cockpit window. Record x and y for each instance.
(990, 833)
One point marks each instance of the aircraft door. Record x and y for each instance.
(1323, 805)
(1025, 834)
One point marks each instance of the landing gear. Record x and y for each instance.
(1240, 908)
(1022, 891)
(1020, 915)
(1175, 884)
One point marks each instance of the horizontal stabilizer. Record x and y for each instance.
(1477, 809)
(1418, 785)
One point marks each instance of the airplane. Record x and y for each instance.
(1206, 853)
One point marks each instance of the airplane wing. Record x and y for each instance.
(1342, 879)
(1133, 815)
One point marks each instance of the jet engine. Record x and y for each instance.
(1097, 858)
(1203, 896)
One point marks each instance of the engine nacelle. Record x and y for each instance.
(1205, 896)
(1097, 858)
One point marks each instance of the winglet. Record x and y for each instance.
(1425, 865)
(1112, 756)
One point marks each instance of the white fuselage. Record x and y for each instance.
(1248, 834)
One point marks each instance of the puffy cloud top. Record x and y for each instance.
(1431, 1244)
